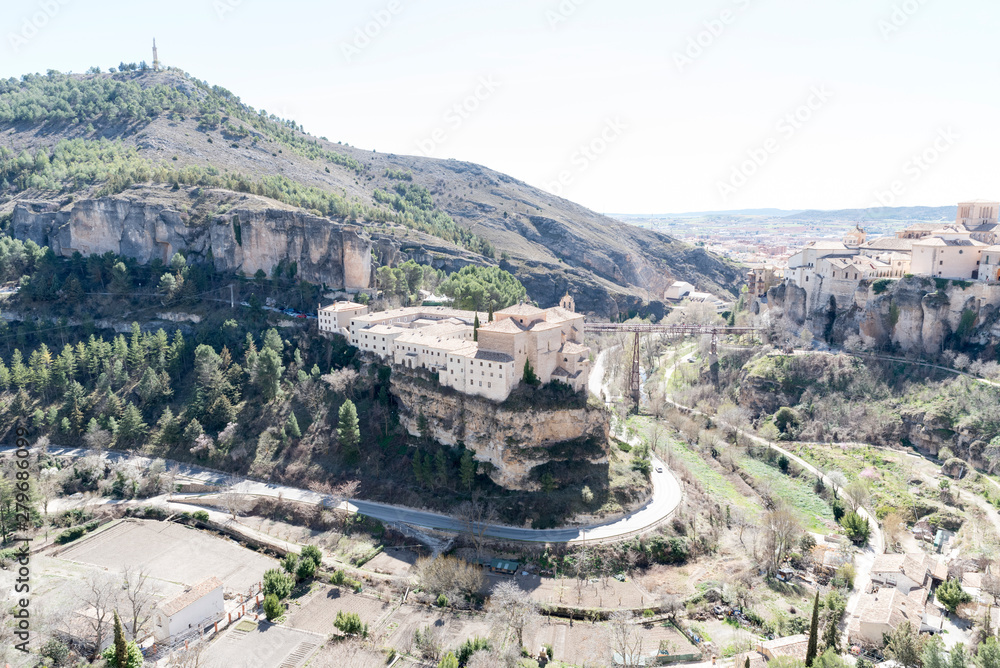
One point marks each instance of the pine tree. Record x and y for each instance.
(268, 372)
(418, 468)
(467, 470)
(811, 649)
(442, 467)
(131, 427)
(348, 433)
(292, 426)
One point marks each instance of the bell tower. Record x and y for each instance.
(567, 303)
(156, 58)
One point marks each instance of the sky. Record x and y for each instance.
(625, 106)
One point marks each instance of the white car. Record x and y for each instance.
(659, 469)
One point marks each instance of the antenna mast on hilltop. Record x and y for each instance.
(156, 59)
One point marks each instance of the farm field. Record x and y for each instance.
(267, 646)
(318, 610)
(171, 552)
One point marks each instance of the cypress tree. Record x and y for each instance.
(811, 650)
(121, 648)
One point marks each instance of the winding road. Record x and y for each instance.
(664, 500)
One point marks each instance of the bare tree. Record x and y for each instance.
(235, 498)
(497, 658)
(141, 602)
(446, 575)
(191, 657)
(780, 528)
(477, 515)
(626, 639)
(856, 493)
(99, 594)
(991, 584)
(509, 611)
(342, 493)
(654, 433)
(743, 521)
(98, 440)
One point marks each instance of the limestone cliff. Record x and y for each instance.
(914, 314)
(246, 235)
(514, 441)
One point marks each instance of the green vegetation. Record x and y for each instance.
(349, 623)
(813, 510)
(476, 288)
(881, 285)
(856, 527)
(712, 481)
(951, 595)
(406, 280)
(272, 607)
(414, 207)
(277, 583)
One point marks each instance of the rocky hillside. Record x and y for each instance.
(515, 439)
(169, 127)
(914, 314)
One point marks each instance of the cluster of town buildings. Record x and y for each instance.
(474, 353)
(966, 250)
(898, 592)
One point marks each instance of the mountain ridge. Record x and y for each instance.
(175, 126)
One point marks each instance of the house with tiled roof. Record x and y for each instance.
(908, 571)
(884, 609)
(199, 606)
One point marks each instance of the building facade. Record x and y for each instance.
(488, 360)
(199, 605)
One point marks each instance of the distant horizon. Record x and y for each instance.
(763, 211)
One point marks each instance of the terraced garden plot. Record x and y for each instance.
(317, 612)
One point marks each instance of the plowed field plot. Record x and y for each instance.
(395, 561)
(268, 646)
(171, 552)
(318, 611)
(452, 628)
(579, 644)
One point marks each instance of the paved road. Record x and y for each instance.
(665, 498)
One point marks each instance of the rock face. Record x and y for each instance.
(911, 315)
(243, 239)
(513, 441)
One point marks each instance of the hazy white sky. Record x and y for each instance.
(630, 106)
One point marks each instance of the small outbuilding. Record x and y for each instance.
(201, 604)
(503, 566)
